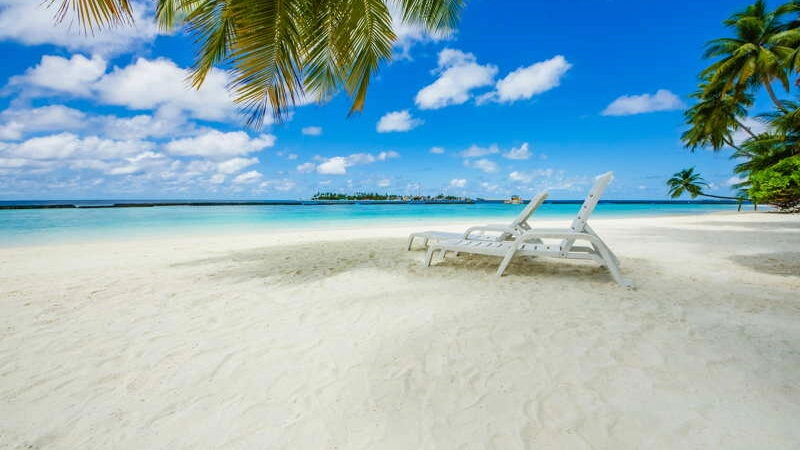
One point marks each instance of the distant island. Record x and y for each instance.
(373, 196)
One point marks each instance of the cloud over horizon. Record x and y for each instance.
(397, 121)
(628, 105)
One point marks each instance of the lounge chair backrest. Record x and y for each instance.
(521, 221)
(600, 184)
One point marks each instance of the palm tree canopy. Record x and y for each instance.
(715, 117)
(756, 53)
(780, 142)
(686, 181)
(282, 52)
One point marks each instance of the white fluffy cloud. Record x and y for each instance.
(153, 84)
(459, 74)
(234, 165)
(521, 152)
(458, 182)
(476, 151)
(18, 122)
(312, 131)
(73, 76)
(437, 150)
(139, 163)
(520, 177)
(215, 144)
(165, 123)
(526, 82)
(277, 185)
(248, 177)
(76, 162)
(68, 145)
(157, 84)
(397, 121)
(627, 105)
(11, 131)
(482, 164)
(338, 165)
(527, 177)
(32, 23)
(334, 166)
(67, 151)
(306, 167)
(489, 187)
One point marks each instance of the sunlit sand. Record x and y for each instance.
(338, 339)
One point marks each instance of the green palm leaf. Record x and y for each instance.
(283, 52)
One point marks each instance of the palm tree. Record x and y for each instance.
(282, 52)
(687, 181)
(715, 117)
(755, 55)
(790, 37)
(781, 141)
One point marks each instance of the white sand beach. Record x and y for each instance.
(343, 340)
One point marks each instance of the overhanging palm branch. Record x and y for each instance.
(284, 52)
(94, 14)
(715, 117)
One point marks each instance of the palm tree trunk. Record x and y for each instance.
(771, 93)
(739, 199)
(745, 128)
(718, 196)
(730, 144)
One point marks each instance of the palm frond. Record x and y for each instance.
(281, 52)
(94, 14)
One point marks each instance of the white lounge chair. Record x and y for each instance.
(531, 244)
(518, 226)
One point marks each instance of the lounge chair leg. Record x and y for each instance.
(410, 241)
(429, 256)
(611, 264)
(506, 261)
(613, 257)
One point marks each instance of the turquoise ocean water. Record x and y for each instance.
(39, 226)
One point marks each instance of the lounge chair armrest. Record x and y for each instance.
(496, 228)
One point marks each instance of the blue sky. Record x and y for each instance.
(528, 96)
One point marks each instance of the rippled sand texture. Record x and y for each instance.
(320, 340)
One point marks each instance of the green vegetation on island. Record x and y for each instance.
(764, 50)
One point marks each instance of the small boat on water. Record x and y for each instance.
(514, 200)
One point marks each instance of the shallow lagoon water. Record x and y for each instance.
(22, 227)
